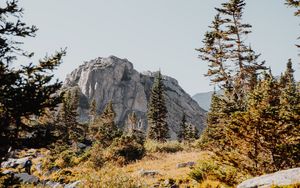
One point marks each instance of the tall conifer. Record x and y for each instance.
(157, 112)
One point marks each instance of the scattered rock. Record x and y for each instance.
(53, 184)
(38, 167)
(31, 152)
(73, 185)
(187, 164)
(13, 163)
(26, 178)
(148, 172)
(280, 178)
(53, 169)
(81, 146)
(5, 172)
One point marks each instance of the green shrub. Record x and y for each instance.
(210, 170)
(167, 147)
(110, 176)
(96, 156)
(126, 149)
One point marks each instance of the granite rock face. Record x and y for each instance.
(112, 78)
(280, 178)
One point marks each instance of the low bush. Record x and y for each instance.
(126, 149)
(210, 170)
(167, 147)
(110, 176)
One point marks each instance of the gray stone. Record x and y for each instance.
(53, 184)
(81, 145)
(148, 172)
(38, 167)
(53, 169)
(187, 164)
(112, 78)
(280, 178)
(73, 185)
(26, 178)
(5, 172)
(13, 163)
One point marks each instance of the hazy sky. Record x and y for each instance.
(154, 34)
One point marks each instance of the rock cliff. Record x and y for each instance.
(112, 78)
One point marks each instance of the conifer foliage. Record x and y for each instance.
(157, 112)
(28, 90)
(257, 117)
(103, 129)
(233, 65)
(187, 132)
(74, 131)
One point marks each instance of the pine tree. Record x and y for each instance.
(289, 114)
(27, 90)
(105, 128)
(182, 129)
(69, 114)
(294, 4)
(215, 52)
(93, 110)
(192, 133)
(157, 112)
(233, 65)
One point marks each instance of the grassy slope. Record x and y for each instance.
(165, 163)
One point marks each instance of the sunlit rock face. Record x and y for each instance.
(115, 79)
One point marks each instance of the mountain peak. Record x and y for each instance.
(114, 79)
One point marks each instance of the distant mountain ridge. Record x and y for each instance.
(112, 78)
(204, 99)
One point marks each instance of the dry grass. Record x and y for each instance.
(165, 163)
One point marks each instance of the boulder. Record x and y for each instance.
(26, 178)
(187, 164)
(81, 146)
(115, 79)
(73, 185)
(5, 172)
(53, 184)
(280, 178)
(13, 163)
(148, 172)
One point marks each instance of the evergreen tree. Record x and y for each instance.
(157, 112)
(215, 52)
(192, 133)
(105, 129)
(289, 115)
(233, 65)
(69, 114)
(182, 129)
(294, 4)
(93, 110)
(27, 90)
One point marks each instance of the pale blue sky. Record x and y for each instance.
(154, 34)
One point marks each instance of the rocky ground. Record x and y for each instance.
(156, 169)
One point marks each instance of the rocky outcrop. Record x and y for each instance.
(105, 79)
(281, 178)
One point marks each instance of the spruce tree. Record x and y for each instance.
(27, 90)
(294, 4)
(215, 53)
(157, 112)
(93, 110)
(105, 129)
(233, 65)
(289, 115)
(182, 129)
(74, 131)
